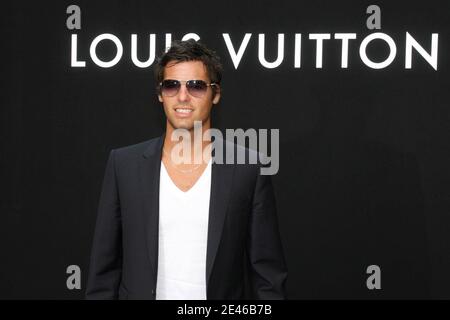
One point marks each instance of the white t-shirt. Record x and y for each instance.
(183, 237)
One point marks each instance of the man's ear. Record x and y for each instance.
(216, 95)
(160, 98)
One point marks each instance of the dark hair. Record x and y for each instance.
(190, 50)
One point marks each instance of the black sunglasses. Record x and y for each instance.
(196, 88)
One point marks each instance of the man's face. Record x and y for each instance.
(199, 108)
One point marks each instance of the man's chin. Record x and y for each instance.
(189, 128)
(186, 125)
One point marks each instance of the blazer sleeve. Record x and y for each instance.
(268, 271)
(105, 267)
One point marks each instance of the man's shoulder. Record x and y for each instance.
(133, 151)
(240, 152)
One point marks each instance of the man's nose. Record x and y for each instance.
(183, 94)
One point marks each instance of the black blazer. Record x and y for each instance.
(244, 253)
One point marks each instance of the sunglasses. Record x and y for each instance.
(196, 88)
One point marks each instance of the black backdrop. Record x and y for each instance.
(364, 153)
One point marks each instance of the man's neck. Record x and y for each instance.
(198, 143)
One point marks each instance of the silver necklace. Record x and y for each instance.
(180, 170)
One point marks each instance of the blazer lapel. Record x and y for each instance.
(150, 167)
(221, 183)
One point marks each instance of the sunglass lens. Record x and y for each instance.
(197, 88)
(170, 87)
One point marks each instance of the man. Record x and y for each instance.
(171, 230)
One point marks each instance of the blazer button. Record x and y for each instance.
(153, 292)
